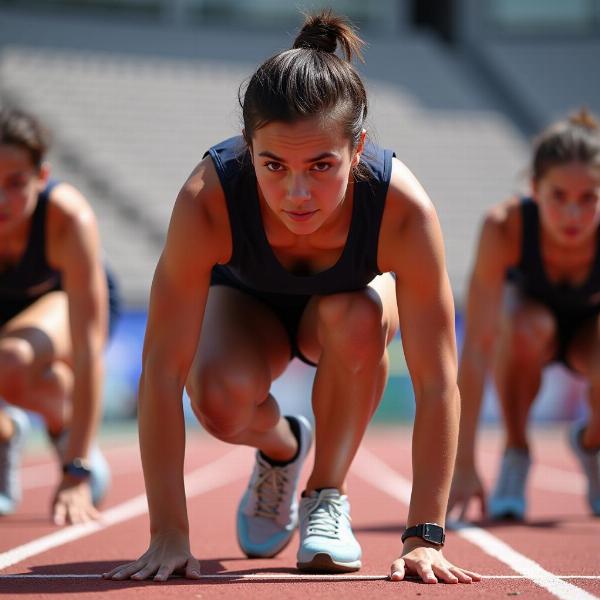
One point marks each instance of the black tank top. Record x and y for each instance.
(32, 276)
(253, 263)
(530, 274)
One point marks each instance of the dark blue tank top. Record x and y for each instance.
(530, 274)
(253, 263)
(32, 276)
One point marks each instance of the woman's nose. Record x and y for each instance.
(298, 188)
(572, 210)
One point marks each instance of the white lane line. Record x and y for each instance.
(381, 476)
(220, 472)
(271, 577)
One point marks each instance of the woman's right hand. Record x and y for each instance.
(168, 553)
(466, 485)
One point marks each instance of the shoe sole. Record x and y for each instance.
(270, 555)
(508, 516)
(323, 563)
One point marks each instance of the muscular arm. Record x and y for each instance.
(494, 255)
(198, 238)
(177, 302)
(413, 249)
(78, 257)
(426, 313)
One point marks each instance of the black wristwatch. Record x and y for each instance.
(430, 532)
(78, 468)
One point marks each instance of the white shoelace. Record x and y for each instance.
(324, 513)
(270, 489)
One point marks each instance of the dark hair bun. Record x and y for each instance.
(584, 118)
(324, 31)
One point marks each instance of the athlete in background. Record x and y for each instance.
(57, 306)
(534, 298)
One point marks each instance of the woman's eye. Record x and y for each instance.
(274, 166)
(321, 166)
(16, 182)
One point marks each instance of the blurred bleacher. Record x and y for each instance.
(134, 106)
(134, 100)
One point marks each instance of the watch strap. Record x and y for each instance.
(78, 468)
(430, 532)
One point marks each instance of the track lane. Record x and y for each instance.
(378, 519)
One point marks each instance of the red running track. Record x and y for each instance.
(556, 554)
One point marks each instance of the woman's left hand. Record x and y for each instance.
(73, 503)
(423, 560)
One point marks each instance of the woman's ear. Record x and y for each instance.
(44, 175)
(359, 148)
(534, 187)
(248, 144)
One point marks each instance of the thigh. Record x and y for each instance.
(381, 290)
(583, 347)
(527, 326)
(44, 326)
(240, 334)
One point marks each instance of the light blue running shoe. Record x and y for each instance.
(10, 460)
(268, 511)
(100, 477)
(590, 463)
(327, 544)
(508, 498)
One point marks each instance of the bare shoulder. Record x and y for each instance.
(68, 207)
(203, 195)
(406, 196)
(501, 230)
(200, 214)
(409, 217)
(72, 237)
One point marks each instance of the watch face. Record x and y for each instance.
(433, 533)
(77, 468)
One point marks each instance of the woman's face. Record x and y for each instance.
(569, 201)
(20, 184)
(303, 170)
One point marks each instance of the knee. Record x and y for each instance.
(530, 337)
(16, 358)
(587, 363)
(351, 326)
(223, 398)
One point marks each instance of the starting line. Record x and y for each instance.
(382, 476)
(265, 577)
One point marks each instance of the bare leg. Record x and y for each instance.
(584, 355)
(243, 348)
(347, 334)
(525, 346)
(34, 360)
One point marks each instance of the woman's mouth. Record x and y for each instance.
(571, 232)
(300, 215)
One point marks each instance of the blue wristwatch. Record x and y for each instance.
(78, 468)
